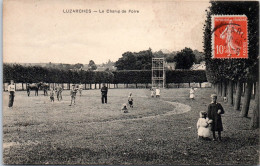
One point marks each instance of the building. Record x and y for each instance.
(201, 66)
(170, 65)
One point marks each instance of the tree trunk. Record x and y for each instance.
(69, 86)
(200, 85)
(136, 85)
(189, 85)
(90, 86)
(224, 89)
(235, 88)
(254, 124)
(247, 98)
(219, 88)
(254, 90)
(99, 85)
(244, 89)
(239, 90)
(215, 87)
(230, 92)
(85, 86)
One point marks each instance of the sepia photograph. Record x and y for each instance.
(145, 82)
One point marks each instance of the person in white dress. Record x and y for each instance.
(157, 92)
(80, 89)
(192, 93)
(152, 93)
(203, 126)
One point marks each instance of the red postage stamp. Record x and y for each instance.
(229, 36)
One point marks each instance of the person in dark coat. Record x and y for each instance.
(104, 94)
(214, 113)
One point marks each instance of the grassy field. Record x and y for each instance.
(155, 131)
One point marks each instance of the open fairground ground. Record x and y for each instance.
(155, 131)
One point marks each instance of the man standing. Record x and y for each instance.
(11, 90)
(214, 113)
(73, 93)
(58, 90)
(104, 93)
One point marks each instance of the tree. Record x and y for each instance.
(135, 61)
(184, 59)
(199, 56)
(92, 65)
(79, 65)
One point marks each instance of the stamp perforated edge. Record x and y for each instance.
(213, 36)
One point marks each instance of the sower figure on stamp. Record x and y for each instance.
(11, 90)
(231, 45)
(214, 113)
(104, 90)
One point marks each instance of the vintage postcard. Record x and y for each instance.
(144, 82)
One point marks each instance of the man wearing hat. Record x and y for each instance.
(11, 90)
(214, 113)
(73, 93)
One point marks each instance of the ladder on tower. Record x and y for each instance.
(158, 73)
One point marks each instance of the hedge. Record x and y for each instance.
(34, 74)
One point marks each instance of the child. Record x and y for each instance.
(52, 95)
(203, 126)
(157, 92)
(192, 91)
(214, 113)
(124, 108)
(73, 93)
(80, 89)
(152, 93)
(130, 100)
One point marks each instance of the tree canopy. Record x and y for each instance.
(92, 65)
(184, 59)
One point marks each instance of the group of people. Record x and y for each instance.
(73, 93)
(130, 102)
(209, 121)
(155, 92)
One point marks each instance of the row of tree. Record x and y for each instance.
(227, 73)
(33, 74)
(142, 60)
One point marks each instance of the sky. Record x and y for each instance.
(42, 31)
